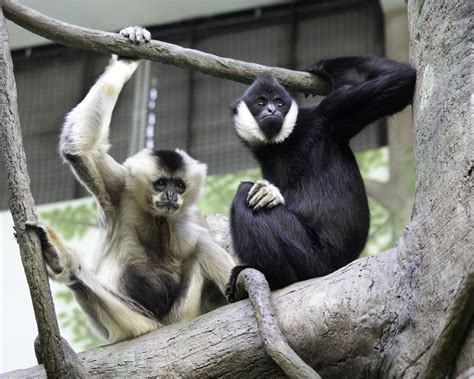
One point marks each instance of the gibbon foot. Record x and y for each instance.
(60, 263)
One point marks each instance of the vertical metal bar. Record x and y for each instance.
(293, 38)
(190, 100)
(139, 108)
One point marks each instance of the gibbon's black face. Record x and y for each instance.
(165, 182)
(169, 188)
(269, 103)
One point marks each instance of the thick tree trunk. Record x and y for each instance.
(401, 313)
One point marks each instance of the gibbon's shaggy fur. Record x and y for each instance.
(157, 262)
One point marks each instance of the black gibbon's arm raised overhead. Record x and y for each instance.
(309, 215)
(157, 263)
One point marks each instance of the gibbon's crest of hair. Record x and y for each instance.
(169, 159)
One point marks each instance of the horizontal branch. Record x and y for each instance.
(328, 321)
(167, 53)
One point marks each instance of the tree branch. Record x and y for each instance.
(162, 52)
(257, 287)
(22, 208)
(327, 319)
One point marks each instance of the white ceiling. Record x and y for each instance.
(114, 14)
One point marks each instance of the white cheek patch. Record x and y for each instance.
(246, 126)
(288, 123)
(194, 175)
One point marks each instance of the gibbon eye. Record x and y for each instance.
(180, 185)
(279, 103)
(260, 102)
(160, 183)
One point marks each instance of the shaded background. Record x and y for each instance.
(166, 107)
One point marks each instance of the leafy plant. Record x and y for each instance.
(73, 220)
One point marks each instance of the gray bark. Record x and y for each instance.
(22, 208)
(398, 314)
(162, 52)
(255, 285)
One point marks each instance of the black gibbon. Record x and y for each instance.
(309, 215)
(157, 262)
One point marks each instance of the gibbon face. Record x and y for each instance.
(165, 182)
(168, 197)
(266, 113)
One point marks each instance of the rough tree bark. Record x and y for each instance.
(22, 207)
(402, 313)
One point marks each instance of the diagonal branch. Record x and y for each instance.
(162, 52)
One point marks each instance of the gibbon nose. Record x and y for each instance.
(271, 108)
(172, 196)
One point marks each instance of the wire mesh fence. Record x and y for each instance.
(167, 107)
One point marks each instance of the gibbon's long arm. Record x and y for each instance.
(85, 135)
(364, 90)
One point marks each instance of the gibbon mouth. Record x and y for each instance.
(164, 204)
(272, 116)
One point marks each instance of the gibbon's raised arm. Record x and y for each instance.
(364, 90)
(85, 135)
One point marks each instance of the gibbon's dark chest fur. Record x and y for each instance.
(153, 282)
(319, 178)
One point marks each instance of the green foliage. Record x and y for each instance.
(380, 232)
(220, 190)
(373, 163)
(76, 322)
(73, 220)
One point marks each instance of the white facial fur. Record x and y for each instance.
(144, 170)
(247, 127)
